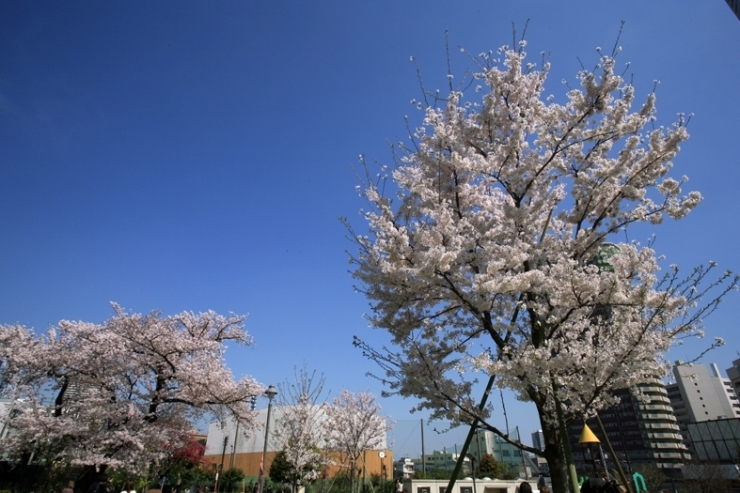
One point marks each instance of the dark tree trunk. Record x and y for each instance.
(59, 401)
(555, 456)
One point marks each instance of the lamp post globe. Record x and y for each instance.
(270, 393)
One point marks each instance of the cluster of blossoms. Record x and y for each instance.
(122, 393)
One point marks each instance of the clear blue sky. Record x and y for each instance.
(194, 156)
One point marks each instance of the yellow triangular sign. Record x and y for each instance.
(587, 436)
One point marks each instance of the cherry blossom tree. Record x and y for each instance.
(123, 392)
(501, 248)
(354, 425)
(300, 430)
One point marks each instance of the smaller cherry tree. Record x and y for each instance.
(355, 425)
(300, 430)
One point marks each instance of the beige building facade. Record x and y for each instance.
(229, 446)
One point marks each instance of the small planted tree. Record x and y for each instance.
(281, 471)
(300, 427)
(232, 480)
(489, 467)
(355, 425)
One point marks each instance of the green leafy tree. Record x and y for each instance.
(281, 471)
(489, 467)
(284, 472)
(381, 484)
(231, 480)
(507, 472)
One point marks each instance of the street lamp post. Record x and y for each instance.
(472, 470)
(270, 393)
(383, 470)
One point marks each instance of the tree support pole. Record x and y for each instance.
(620, 471)
(469, 438)
(566, 444)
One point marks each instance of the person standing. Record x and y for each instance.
(70, 488)
(99, 486)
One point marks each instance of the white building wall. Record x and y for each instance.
(246, 440)
(734, 373)
(250, 440)
(704, 396)
(465, 486)
(5, 425)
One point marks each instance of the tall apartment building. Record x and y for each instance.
(642, 430)
(701, 395)
(538, 440)
(734, 374)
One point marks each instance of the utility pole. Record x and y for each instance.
(423, 459)
(221, 467)
(233, 446)
(270, 393)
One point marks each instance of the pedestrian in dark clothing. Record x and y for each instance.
(100, 486)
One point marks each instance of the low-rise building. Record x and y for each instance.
(442, 460)
(486, 442)
(716, 441)
(467, 485)
(403, 468)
